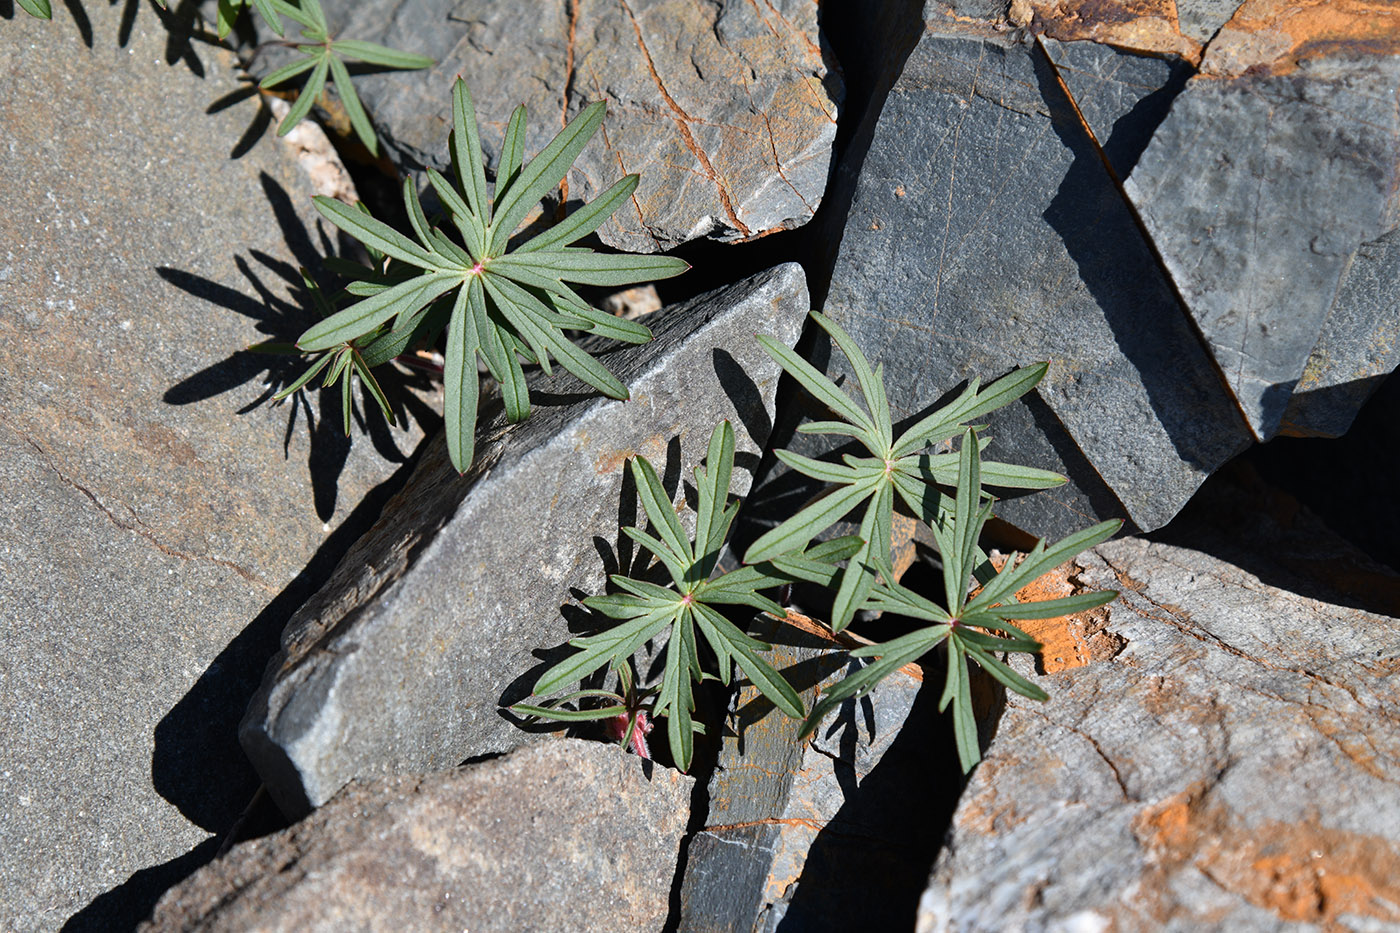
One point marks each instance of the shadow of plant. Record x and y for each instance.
(283, 319)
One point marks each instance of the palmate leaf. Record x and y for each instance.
(323, 57)
(895, 466)
(973, 626)
(647, 610)
(506, 307)
(342, 364)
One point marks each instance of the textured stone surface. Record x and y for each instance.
(727, 109)
(1201, 19)
(434, 619)
(1121, 97)
(986, 233)
(1269, 192)
(567, 835)
(1150, 26)
(1232, 768)
(803, 832)
(151, 514)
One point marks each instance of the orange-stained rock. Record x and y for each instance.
(1275, 36)
(1067, 641)
(1232, 768)
(1148, 26)
(566, 835)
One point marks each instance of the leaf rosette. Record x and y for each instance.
(502, 304)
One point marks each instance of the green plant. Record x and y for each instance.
(648, 611)
(322, 55)
(354, 358)
(901, 465)
(510, 304)
(627, 711)
(973, 621)
(978, 598)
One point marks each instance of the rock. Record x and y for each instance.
(1148, 26)
(1122, 97)
(1232, 768)
(728, 110)
(431, 622)
(633, 303)
(567, 835)
(833, 833)
(1201, 19)
(986, 233)
(159, 524)
(1270, 192)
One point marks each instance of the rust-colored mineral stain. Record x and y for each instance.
(1067, 641)
(1302, 872)
(1274, 36)
(1149, 26)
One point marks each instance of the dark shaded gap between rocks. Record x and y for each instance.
(197, 763)
(852, 877)
(1343, 485)
(1347, 481)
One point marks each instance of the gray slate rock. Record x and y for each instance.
(147, 518)
(1122, 97)
(432, 621)
(985, 233)
(728, 109)
(828, 834)
(1202, 19)
(1233, 768)
(567, 835)
(1265, 194)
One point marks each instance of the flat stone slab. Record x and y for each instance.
(438, 616)
(1232, 767)
(728, 110)
(566, 835)
(986, 233)
(153, 512)
(1122, 97)
(1270, 192)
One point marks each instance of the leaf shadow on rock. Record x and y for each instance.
(178, 22)
(257, 127)
(284, 319)
(869, 865)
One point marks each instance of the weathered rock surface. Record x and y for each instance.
(1201, 19)
(987, 233)
(1147, 26)
(728, 110)
(1232, 768)
(827, 834)
(1270, 192)
(150, 510)
(567, 835)
(430, 623)
(1121, 96)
